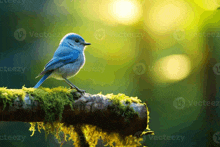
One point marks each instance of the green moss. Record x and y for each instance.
(119, 109)
(123, 97)
(52, 100)
(7, 96)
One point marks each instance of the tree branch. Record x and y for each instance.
(111, 113)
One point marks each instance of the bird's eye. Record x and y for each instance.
(77, 40)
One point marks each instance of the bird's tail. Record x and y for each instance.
(43, 79)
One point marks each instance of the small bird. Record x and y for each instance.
(67, 61)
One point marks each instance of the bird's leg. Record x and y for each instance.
(73, 86)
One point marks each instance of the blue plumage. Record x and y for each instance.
(68, 59)
(43, 79)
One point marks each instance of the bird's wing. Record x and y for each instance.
(60, 60)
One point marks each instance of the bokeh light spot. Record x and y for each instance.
(172, 68)
(125, 11)
(167, 16)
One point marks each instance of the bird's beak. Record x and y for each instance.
(86, 43)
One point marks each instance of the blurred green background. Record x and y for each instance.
(165, 52)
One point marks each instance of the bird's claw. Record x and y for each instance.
(81, 91)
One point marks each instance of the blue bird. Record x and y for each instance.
(67, 61)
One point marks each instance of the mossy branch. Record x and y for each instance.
(109, 113)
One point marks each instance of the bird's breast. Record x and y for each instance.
(69, 69)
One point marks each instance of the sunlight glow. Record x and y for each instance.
(166, 16)
(172, 68)
(124, 11)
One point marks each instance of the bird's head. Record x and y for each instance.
(74, 40)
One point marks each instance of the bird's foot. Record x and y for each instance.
(79, 90)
